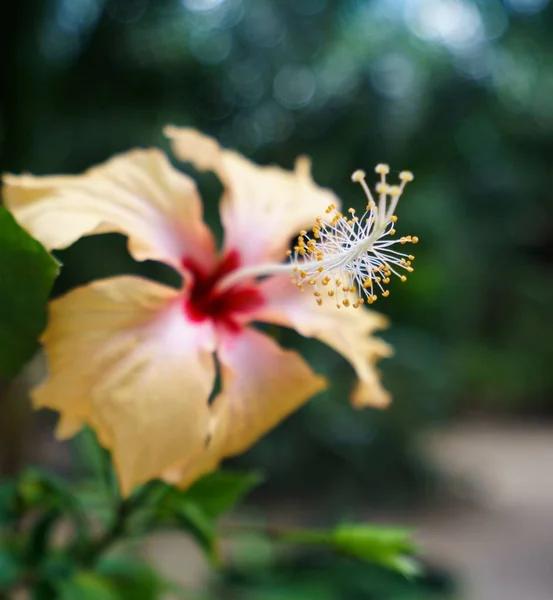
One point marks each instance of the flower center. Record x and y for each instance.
(226, 306)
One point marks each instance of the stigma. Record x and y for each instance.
(350, 259)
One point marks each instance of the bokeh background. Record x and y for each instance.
(458, 91)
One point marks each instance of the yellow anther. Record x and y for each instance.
(410, 269)
(411, 257)
(394, 219)
(382, 188)
(406, 176)
(345, 302)
(392, 232)
(358, 176)
(303, 232)
(320, 269)
(367, 283)
(303, 274)
(319, 301)
(386, 293)
(312, 282)
(415, 239)
(394, 191)
(331, 293)
(351, 211)
(403, 278)
(386, 280)
(382, 169)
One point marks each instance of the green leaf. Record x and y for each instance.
(10, 568)
(8, 509)
(86, 585)
(40, 490)
(39, 537)
(133, 579)
(219, 492)
(27, 272)
(389, 547)
(195, 521)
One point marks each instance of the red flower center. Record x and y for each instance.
(225, 307)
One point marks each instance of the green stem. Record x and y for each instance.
(118, 529)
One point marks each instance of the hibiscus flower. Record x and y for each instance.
(137, 361)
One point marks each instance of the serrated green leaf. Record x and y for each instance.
(27, 273)
(219, 492)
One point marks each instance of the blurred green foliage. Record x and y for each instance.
(459, 91)
(27, 274)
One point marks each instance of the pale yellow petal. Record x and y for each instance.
(124, 359)
(262, 207)
(349, 331)
(262, 384)
(138, 194)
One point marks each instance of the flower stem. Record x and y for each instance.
(118, 529)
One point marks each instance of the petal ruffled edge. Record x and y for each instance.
(262, 207)
(138, 193)
(263, 383)
(123, 359)
(349, 331)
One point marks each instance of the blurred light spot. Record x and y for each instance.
(272, 123)
(527, 6)
(127, 11)
(223, 15)
(294, 87)
(516, 78)
(308, 8)
(77, 15)
(210, 48)
(475, 65)
(246, 79)
(496, 21)
(268, 124)
(61, 37)
(392, 75)
(338, 74)
(262, 25)
(202, 5)
(456, 24)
